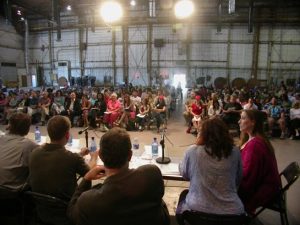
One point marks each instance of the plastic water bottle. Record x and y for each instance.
(70, 140)
(37, 134)
(154, 147)
(135, 143)
(93, 145)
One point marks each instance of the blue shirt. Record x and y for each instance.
(213, 182)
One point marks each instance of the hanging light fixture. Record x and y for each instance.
(111, 11)
(184, 9)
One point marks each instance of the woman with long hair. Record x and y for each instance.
(261, 179)
(213, 167)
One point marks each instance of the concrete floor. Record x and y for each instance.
(286, 151)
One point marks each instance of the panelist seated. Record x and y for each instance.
(127, 196)
(213, 167)
(15, 152)
(54, 170)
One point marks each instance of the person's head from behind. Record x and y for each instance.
(214, 135)
(19, 124)
(115, 148)
(59, 129)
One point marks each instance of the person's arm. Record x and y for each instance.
(252, 161)
(184, 166)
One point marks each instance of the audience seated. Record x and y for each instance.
(159, 112)
(113, 110)
(213, 167)
(295, 120)
(187, 113)
(85, 108)
(72, 108)
(43, 106)
(127, 196)
(97, 112)
(261, 180)
(15, 152)
(58, 104)
(231, 111)
(276, 115)
(143, 114)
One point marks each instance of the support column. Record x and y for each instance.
(270, 45)
(113, 55)
(50, 40)
(125, 54)
(81, 48)
(149, 54)
(255, 54)
(188, 51)
(228, 55)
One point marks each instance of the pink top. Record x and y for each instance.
(261, 180)
(113, 105)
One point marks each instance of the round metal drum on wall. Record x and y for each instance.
(238, 82)
(252, 83)
(220, 82)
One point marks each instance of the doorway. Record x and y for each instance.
(179, 80)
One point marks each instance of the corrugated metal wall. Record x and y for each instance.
(228, 53)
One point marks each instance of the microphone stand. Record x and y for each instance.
(85, 130)
(86, 138)
(163, 159)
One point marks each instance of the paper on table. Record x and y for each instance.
(107, 112)
(140, 115)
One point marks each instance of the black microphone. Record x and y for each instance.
(85, 129)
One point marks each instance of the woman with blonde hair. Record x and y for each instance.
(261, 181)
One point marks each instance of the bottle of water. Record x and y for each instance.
(37, 134)
(154, 147)
(93, 145)
(70, 140)
(135, 144)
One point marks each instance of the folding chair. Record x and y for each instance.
(201, 218)
(278, 203)
(50, 210)
(11, 206)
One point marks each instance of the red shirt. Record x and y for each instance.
(196, 109)
(261, 180)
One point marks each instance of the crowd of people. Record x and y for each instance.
(280, 106)
(130, 108)
(224, 178)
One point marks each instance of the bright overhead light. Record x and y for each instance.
(132, 2)
(69, 7)
(19, 12)
(111, 11)
(22, 19)
(183, 9)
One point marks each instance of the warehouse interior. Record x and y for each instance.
(223, 43)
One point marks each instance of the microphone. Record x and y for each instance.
(85, 129)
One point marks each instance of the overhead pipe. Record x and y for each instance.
(194, 20)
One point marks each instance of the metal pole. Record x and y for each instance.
(113, 33)
(149, 54)
(125, 54)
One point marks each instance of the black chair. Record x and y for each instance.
(278, 204)
(11, 206)
(201, 218)
(50, 210)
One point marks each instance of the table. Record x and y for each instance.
(140, 157)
